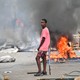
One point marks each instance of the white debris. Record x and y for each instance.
(8, 72)
(7, 58)
(9, 50)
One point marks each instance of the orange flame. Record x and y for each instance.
(62, 46)
(65, 51)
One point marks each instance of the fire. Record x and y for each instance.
(65, 51)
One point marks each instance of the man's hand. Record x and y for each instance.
(38, 49)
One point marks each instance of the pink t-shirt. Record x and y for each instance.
(46, 44)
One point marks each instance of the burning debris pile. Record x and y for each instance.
(65, 50)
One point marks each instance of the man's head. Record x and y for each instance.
(43, 23)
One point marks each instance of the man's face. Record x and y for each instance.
(43, 24)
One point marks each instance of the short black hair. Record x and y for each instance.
(44, 20)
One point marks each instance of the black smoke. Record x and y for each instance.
(60, 15)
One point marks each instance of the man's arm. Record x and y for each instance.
(42, 41)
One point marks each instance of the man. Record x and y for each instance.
(43, 48)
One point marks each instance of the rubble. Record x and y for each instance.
(7, 58)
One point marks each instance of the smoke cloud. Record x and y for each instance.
(62, 16)
(20, 19)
